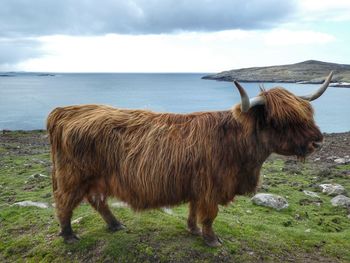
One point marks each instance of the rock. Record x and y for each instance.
(341, 200)
(119, 204)
(270, 200)
(332, 189)
(331, 157)
(77, 221)
(38, 176)
(167, 210)
(342, 161)
(30, 203)
(310, 193)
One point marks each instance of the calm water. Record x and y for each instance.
(26, 100)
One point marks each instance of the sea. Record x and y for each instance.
(27, 98)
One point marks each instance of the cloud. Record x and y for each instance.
(13, 51)
(283, 37)
(88, 17)
(183, 52)
(316, 10)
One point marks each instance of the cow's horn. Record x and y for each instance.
(247, 103)
(320, 91)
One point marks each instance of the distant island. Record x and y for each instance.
(22, 73)
(307, 72)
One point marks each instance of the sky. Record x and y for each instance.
(170, 35)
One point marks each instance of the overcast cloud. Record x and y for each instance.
(15, 50)
(169, 35)
(89, 17)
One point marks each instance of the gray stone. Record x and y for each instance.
(77, 220)
(167, 210)
(119, 204)
(30, 203)
(310, 193)
(332, 189)
(331, 157)
(270, 200)
(341, 200)
(341, 161)
(38, 176)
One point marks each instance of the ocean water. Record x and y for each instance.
(27, 99)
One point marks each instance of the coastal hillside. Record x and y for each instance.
(310, 71)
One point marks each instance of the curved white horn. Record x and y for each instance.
(247, 103)
(320, 91)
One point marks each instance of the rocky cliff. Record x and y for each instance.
(310, 71)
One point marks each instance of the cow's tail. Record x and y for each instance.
(55, 133)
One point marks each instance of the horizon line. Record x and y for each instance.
(102, 72)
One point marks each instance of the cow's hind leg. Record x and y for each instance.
(99, 203)
(65, 203)
(192, 219)
(207, 214)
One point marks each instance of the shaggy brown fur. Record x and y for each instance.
(149, 160)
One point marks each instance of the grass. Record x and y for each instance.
(310, 229)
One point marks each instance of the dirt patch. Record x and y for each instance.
(23, 142)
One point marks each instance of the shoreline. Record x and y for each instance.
(229, 79)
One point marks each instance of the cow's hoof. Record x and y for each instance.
(116, 227)
(195, 231)
(213, 241)
(70, 239)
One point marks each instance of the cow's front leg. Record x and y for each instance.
(207, 215)
(192, 219)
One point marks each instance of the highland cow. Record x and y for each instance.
(150, 160)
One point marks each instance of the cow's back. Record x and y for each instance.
(144, 158)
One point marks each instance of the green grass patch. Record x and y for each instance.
(310, 229)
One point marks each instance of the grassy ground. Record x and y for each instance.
(310, 230)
